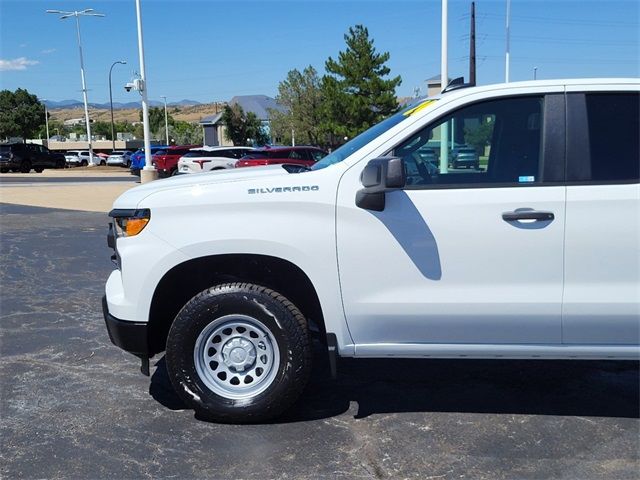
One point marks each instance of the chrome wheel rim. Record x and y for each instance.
(236, 356)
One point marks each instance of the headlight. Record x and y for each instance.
(129, 223)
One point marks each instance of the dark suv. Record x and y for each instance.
(22, 157)
(303, 155)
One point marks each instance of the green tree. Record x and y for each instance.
(357, 94)
(480, 136)
(21, 114)
(301, 95)
(243, 128)
(185, 133)
(156, 120)
(101, 128)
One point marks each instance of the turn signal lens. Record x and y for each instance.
(134, 226)
(130, 223)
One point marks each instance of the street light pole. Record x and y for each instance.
(444, 80)
(113, 135)
(535, 71)
(64, 15)
(148, 173)
(508, 45)
(166, 120)
(76, 14)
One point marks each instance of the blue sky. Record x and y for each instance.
(212, 50)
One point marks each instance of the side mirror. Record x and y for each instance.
(381, 175)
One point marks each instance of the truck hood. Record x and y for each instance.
(131, 198)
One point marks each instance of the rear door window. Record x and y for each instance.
(604, 131)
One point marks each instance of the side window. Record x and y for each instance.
(226, 153)
(297, 154)
(492, 142)
(614, 131)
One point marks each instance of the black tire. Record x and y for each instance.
(84, 163)
(25, 166)
(15, 170)
(261, 304)
(61, 164)
(39, 169)
(102, 163)
(4, 170)
(128, 164)
(174, 172)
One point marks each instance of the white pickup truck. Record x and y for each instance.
(534, 253)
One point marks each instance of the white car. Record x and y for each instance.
(533, 256)
(121, 158)
(205, 159)
(81, 158)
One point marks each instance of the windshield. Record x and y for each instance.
(364, 138)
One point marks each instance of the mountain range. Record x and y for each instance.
(53, 104)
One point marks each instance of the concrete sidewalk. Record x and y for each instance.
(88, 196)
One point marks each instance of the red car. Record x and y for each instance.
(306, 156)
(167, 163)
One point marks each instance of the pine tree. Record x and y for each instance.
(356, 92)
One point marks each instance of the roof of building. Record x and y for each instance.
(211, 119)
(258, 104)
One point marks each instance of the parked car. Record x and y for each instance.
(166, 162)
(82, 158)
(303, 155)
(22, 157)
(205, 159)
(534, 257)
(121, 158)
(103, 157)
(464, 157)
(137, 158)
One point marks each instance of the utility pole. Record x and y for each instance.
(472, 46)
(508, 46)
(46, 122)
(166, 121)
(148, 173)
(535, 71)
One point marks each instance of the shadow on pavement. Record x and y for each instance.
(526, 387)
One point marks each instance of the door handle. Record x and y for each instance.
(528, 215)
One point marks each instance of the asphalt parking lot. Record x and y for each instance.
(74, 406)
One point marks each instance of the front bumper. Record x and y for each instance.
(7, 163)
(129, 336)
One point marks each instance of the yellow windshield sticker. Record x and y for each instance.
(420, 107)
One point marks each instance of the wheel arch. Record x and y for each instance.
(187, 279)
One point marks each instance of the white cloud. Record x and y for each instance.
(48, 50)
(22, 45)
(16, 64)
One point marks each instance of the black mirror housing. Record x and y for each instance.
(381, 175)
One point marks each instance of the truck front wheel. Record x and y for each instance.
(239, 353)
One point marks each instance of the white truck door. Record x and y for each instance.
(466, 256)
(602, 261)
